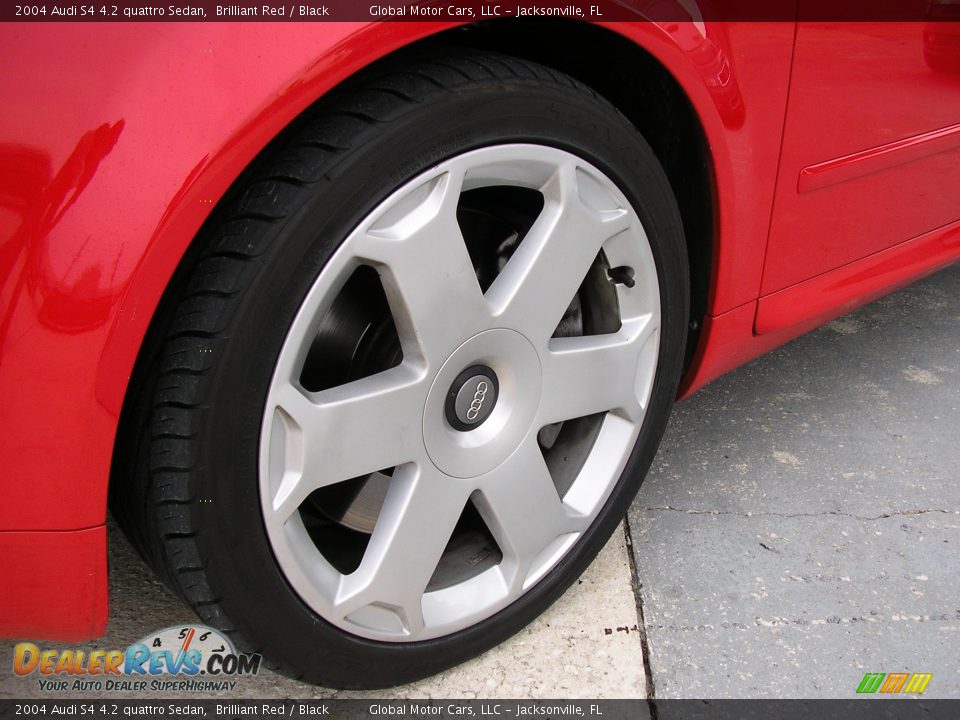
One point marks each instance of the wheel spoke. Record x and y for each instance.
(537, 285)
(591, 374)
(418, 516)
(427, 274)
(520, 505)
(333, 437)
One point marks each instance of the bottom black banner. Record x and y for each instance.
(894, 709)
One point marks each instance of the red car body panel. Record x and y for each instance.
(54, 584)
(118, 140)
(871, 149)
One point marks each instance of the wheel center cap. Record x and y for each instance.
(472, 397)
(482, 403)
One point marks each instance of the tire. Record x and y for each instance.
(328, 321)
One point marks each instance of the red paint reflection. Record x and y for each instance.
(71, 300)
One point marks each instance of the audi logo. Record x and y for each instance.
(478, 397)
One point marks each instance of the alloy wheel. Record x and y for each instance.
(459, 392)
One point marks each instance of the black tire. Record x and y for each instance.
(186, 486)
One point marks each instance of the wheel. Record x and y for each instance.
(413, 372)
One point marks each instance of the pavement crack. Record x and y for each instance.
(882, 516)
(641, 624)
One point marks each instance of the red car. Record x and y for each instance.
(369, 332)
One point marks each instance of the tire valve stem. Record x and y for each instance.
(622, 275)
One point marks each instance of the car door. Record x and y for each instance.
(871, 147)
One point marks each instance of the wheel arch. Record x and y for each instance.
(638, 68)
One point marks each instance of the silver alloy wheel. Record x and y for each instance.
(397, 418)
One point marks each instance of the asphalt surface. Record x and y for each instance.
(800, 527)
(801, 524)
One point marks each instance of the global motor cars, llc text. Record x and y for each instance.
(536, 709)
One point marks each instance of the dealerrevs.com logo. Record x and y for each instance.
(188, 658)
